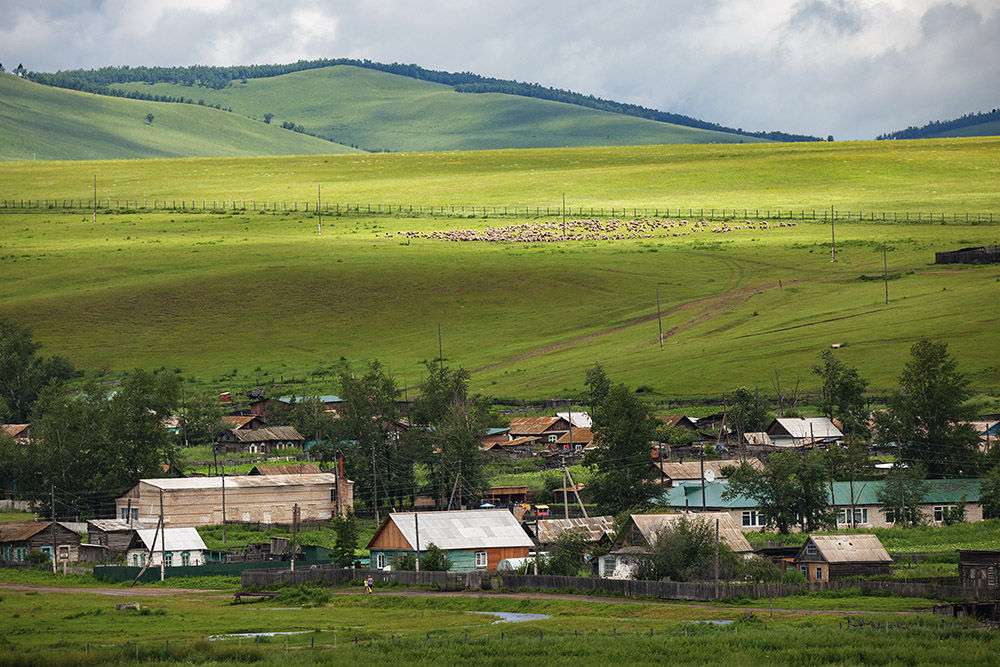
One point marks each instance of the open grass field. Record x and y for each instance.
(380, 111)
(44, 123)
(241, 299)
(319, 627)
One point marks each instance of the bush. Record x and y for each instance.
(760, 570)
(404, 562)
(38, 557)
(793, 577)
(434, 559)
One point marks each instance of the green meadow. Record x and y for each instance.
(380, 111)
(44, 123)
(244, 298)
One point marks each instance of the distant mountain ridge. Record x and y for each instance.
(938, 128)
(100, 81)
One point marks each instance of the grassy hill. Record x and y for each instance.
(380, 111)
(45, 123)
(237, 299)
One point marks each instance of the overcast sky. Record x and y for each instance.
(850, 68)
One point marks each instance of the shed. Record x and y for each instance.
(826, 557)
(19, 538)
(114, 534)
(798, 431)
(674, 473)
(474, 540)
(979, 568)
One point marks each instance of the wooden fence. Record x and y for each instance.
(666, 590)
(108, 205)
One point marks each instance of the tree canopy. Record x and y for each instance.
(789, 490)
(23, 372)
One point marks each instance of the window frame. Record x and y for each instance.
(380, 560)
(483, 556)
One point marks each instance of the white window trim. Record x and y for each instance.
(379, 560)
(482, 559)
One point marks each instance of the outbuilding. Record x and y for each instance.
(828, 557)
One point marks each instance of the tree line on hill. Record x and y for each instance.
(99, 81)
(93, 444)
(936, 127)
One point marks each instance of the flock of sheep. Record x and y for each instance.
(586, 230)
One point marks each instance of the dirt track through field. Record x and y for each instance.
(165, 592)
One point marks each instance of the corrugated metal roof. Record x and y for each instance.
(242, 481)
(651, 525)
(466, 529)
(286, 469)
(579, 419)
(859, 548)
(116, 525)
(533, 425)
(237, 421)
(805, 428)
(592, 529)
(268, 433)
(174, 539)
(579, 436)
(692, 469)
(758, 438)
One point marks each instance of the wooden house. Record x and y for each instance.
(243, 422)
(828, 557)
(548, 429)
(19, 432)
(638, 537)
(113, 534)
(474, 540)
(979, 568)
(179, 546)
(518, 448)
(576, 439)
(260, 440)
(20, 538)
(494, 435)
(267, 499)
(678, 421)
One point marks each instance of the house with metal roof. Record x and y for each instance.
(856, 503)
(594, 529)
(675, 473)
(180, 546)
(473, 540)
(549, 429)
(802, 431)
(638, 536)
(828, 557)
(263, 499)
(260, 440)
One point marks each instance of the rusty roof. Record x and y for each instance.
(651, 525)
(237, 421)
(18, 531)
(14, 430)
(592, 529)
(285, 469)
(267, 434)
(536, 425)
(855, 548)
(581, 436)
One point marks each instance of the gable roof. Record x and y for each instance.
(465, 529)
(15, 430)
(537, 425)
(804, 428)
(579, 419)
(167, 483)
(682, 421)
(592, 529)
(237, 422)
(116, 525)
(651, 525)
(174, 539)
(855, 548)
(285, 469)
(692, 469)
(266, 434)
(578, 436)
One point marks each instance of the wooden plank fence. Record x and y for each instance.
(108, 205)
(666, 590)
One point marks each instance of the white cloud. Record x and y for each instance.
(853, 68)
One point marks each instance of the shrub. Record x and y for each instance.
(793, 577)
(434, 559)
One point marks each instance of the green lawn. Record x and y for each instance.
(45, 123)
(380, 111)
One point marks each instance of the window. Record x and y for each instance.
(939, 512)
(819, 574)
(610, 563)
(481, 559)
(135, 560)
(553, 437)
(860, 516)
(185, 558)
(135, 513)
(752, 519)
(168, 559)
(380, 560)
(842, 517)
(811, 549)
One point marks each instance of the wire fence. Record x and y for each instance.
(108, 205)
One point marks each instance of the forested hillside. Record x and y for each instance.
(980, 124)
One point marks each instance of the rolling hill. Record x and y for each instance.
(47, 123)
(380, 111)
(979, 124)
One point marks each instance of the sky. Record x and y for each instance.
(853, 69)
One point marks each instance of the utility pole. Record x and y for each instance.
(319, 207)
(833, 238)
(576, 493)
(659, 320)
(416, 529)
(701, 461)
(295, 534)
(184, 417)
(565, 491)
(885, 273)
(163, 542)
(53, 502)
(223, 501)
(716, 559)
